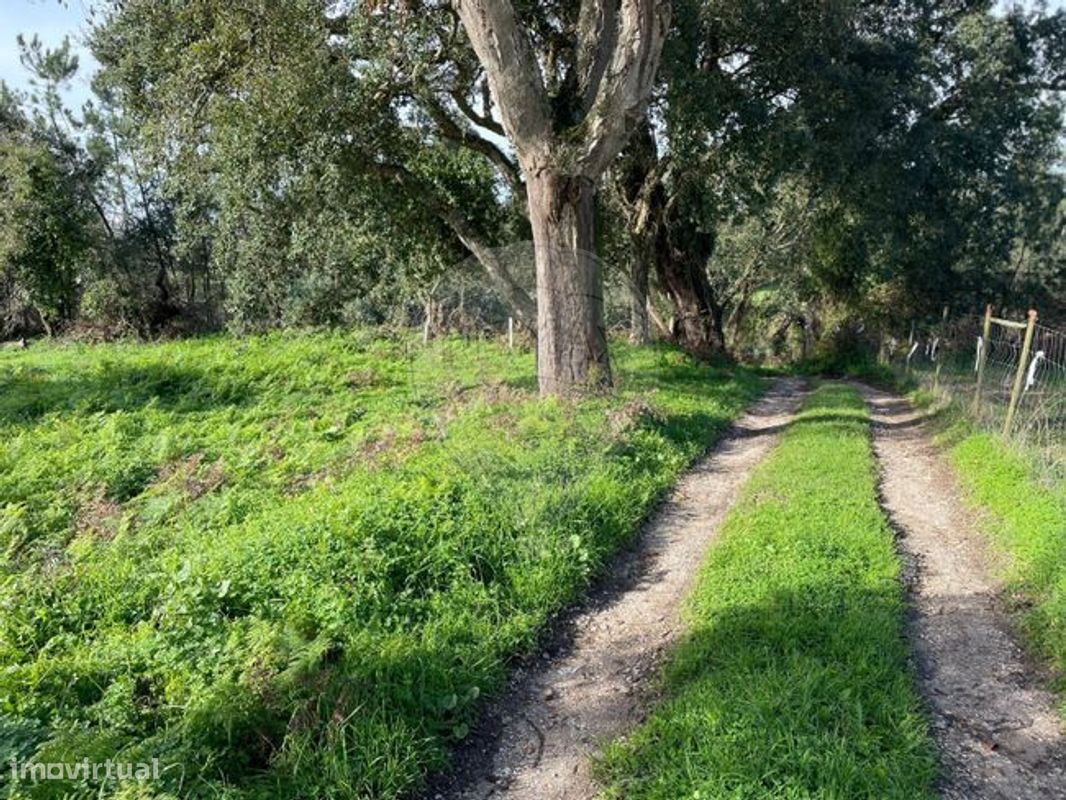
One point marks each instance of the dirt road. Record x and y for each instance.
(999, 734)
(592, 685)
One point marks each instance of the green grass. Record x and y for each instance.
(1025, 519)
(288, 566)
(794, 679)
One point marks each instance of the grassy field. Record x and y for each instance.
(288, 566)
(794, 681)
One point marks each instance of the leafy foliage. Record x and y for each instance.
(46, 219)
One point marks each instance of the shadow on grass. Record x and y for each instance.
(805, 693)
(28, 395)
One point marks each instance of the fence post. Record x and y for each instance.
(982, 357)
(510, 333)
(1019, 376)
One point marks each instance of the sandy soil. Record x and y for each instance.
(591, 683)
(996, 726)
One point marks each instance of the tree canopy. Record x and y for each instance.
(734, 169)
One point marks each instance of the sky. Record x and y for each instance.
(54, 19)
(51, 20)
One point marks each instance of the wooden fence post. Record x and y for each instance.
(1019, 375)
(982, 357)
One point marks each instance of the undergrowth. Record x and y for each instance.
(288, 566)
(794, 680)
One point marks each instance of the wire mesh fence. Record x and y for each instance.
(1009, 375)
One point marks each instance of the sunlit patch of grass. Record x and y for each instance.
(1025, 519)
(794, 681)
(289, 566)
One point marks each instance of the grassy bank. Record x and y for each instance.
(288, 566)
(1023, 514)
(794, 681)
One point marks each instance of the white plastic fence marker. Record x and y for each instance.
(982, 356)
(1030, 376)
(510, 332)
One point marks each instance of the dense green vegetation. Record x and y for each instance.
(792, 174)
(794, 681)
(289, 565)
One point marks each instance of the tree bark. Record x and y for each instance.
(571, 336)
(681, 266)
(562, 156)
(637, 187)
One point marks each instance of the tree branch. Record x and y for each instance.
(504, 50)
(626, 84)
(451, 129)
(481, 120)
(521, 304)
(597, 34)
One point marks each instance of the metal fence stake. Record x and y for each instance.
(982, 358)
(939, 361)
(1019, 375)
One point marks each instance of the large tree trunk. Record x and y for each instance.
(661, 232)
(636, 184)
(571, 338)
(617, 47)
(681, 267)
(695, 326)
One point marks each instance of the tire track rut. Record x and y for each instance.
(999, 735)
(560, 709)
